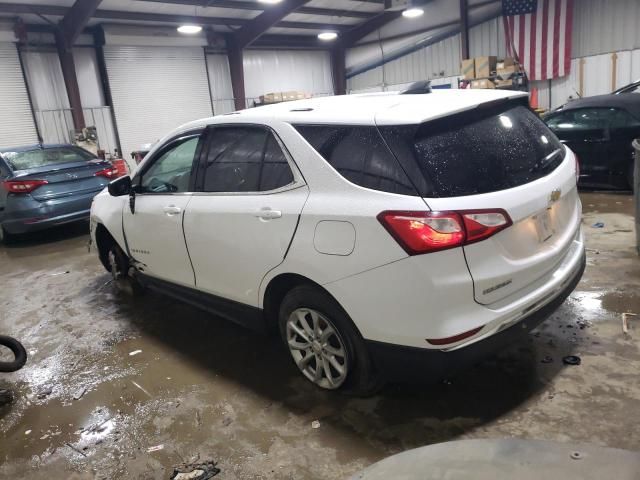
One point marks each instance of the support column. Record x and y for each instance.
(464, 29)
(339, 70)
(68, 66)
(236, 68)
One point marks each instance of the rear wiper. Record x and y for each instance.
(544, 163)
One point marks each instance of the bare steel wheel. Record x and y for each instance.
(317, 348)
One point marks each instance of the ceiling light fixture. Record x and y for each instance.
(327, 36)
(412, 12)
(190, 29)
(271, 2)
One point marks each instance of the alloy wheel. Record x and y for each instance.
(317, 348)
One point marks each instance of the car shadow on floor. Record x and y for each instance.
(445, 409)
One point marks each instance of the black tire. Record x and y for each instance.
(361, 379)
(118, 265)
(6, 237)
(19, 353)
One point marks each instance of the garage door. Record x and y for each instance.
(154, 90)
(16, 119)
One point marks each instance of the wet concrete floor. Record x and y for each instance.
(87, 407)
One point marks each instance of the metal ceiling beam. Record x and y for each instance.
(254, 6)
(350, 37)
(76, 19)
(20, 8)
(263, 22)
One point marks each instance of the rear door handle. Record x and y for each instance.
(268, 214)
(171, 210)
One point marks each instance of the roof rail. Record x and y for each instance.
(417, 88)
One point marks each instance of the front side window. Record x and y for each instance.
(44, 157)
(591, 119)
(359, 155)
(245, 159)
(171, 172)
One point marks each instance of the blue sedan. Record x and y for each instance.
(47, 185)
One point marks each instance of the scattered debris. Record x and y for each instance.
(44, 437)
(135, 352)
(6, 396)
(198, 419)
(598, 225)
(572, 360)
(59, 273)
(77, 450)
(44, 393)
(78, 395)
(155, 448)
(547, 359)
(195, 471)
(138, 386)
(226, 421)
(27, 432)
(576, 456)
(625, 321)
(315, 424)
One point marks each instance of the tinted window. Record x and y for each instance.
(48, 156)
(586, 119)
(171, 172)
(245, 159)
(481, 151)
(359, 155)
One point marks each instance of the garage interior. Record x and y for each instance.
(118, 387)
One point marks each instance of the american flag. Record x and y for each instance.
(538, 35)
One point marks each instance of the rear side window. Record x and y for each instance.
(245, 159)
(47, 156)
(482, 151)
(359, 155)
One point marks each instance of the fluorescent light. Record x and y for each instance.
(326, 36)
(269, 1)
(412, 12)
(190, 29)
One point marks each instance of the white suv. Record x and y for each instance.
(383, 235)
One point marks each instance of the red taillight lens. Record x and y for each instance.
(424, 232)
(22, 186)
(109, 172)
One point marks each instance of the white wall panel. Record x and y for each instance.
(16, 120)
(88, 77)
(220, 83)
(46, 82)
(487, 39)
(268, 71)
(154, 90)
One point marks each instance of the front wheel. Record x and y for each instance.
(323, 342)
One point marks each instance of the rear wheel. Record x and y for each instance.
(323, 342)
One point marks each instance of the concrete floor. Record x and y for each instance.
(86, 408)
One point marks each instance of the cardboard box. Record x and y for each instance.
(507, 72)
(503, 83)
(271, 98)
(485, 83)
(468, 69)
(485, 66)
(292, 95)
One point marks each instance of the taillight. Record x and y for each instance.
(109, 172)
(22, 186)
(425, 232)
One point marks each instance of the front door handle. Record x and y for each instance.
(268, 214)
(171, 210)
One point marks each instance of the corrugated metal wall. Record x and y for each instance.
(600, 26)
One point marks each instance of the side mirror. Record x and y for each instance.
(120, 186)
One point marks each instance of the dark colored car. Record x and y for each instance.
(631, 88)
(600, 130)
(46, 185)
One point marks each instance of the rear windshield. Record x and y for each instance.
(45, 157)
(482, 151)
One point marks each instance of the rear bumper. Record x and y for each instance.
(400, 363)
(25, 214)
